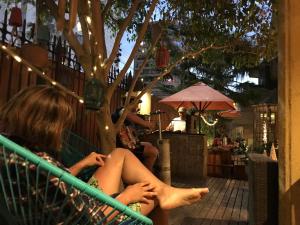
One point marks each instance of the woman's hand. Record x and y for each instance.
(139, 192)
(93, 159)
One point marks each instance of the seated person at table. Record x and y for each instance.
(127, 137)
(178, 123)
(37, 117)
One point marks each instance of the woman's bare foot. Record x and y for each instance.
(171, 197)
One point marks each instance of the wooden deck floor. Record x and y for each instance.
(226, 204)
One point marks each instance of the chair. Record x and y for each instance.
(35, 196)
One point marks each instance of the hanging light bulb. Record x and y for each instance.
(17, 58)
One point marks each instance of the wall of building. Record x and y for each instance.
(289, 111)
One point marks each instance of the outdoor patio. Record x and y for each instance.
(226, 204)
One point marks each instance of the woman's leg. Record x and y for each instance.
(122, 164)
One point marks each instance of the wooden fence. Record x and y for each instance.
(64, 68)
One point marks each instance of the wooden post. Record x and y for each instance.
(164, 163)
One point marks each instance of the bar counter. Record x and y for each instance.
(188, 154)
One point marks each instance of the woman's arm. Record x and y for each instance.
(91, 160)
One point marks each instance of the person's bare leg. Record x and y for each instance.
(123, 164)
(150, 154)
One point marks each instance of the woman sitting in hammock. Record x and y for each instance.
(37, 117)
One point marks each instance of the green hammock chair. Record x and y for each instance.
(31, 197)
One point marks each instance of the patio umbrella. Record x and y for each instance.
(200, 96)
(230, 114)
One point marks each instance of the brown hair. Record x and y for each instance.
(39, 116)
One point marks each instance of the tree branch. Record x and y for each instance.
(107, 7)
(82, 13)
(171, 67)
(120, 33)
(134, 50)
(98, 27)
(140, 69)
(74, 43)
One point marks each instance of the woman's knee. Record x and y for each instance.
(119, 152)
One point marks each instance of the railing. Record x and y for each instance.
(35, 191)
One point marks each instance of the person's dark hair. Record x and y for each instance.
(39, 115)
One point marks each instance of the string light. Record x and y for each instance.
(95, 68)
(106, 127)
(208, 123)
(17, 58)
(88, 20)
(30, 68)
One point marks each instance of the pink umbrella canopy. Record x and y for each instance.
(230, 114)
(199, 96)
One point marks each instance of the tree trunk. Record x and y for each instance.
(106, 130)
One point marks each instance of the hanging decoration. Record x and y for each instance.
(209, 123)
(15, 18)
(162, 57)
(93, 93)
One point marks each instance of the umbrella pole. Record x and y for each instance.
(159, 127)
(199, 123)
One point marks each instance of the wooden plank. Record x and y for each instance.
(217, 213)
(237, 206)
(183, 214)
(244, 206)
(226, 203)
(222, 207)
(228, 212)
(210, 209)
(213, 213)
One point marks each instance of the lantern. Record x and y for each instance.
(15, 18)
(162, 57)
(93, 94)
